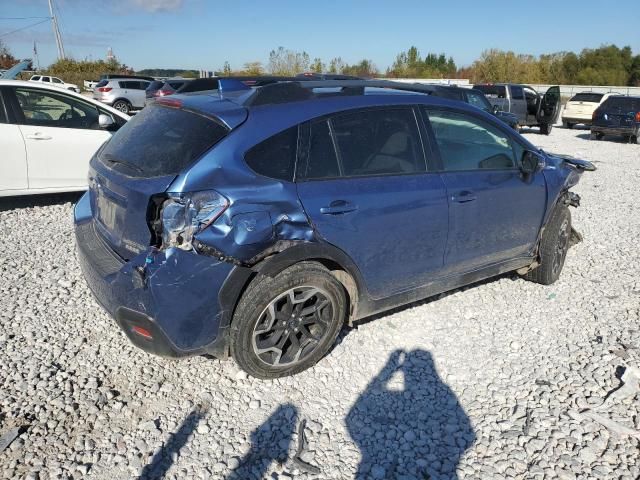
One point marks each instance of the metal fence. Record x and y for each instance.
(565, 90)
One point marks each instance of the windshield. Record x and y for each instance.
(160, 141)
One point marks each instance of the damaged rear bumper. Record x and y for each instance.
(169, 303)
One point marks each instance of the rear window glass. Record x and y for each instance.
(155, 85)
(160, 141)
(624, 103)
(492, 90)
(175, 85)
(587, 97)
(276, 156)
(102, 83)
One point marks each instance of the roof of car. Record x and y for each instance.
(311, 99)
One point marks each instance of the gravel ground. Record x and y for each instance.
(504, 379)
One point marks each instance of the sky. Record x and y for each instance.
(203, 34)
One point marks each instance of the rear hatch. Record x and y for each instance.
(142, 159)
(583, 104)
(618, 112)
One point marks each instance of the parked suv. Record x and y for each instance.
(580, 108)
(162, 88)
(618, 115)
(532, 108)
(257, 221)
(121, 93)
(55, 82)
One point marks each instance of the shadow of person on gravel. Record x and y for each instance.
(270, 441)
(408, 423)
(162, 461)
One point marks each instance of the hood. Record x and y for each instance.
(560, 159)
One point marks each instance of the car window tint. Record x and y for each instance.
(587, 97)
(468, 143)
(160, 141)
(276, 156)
(51, 109)
(622, 103)
(102, 83)
(378, 142)
(56, 80)
(322, 162)
(516, 92)
(478, 100)
(37, 77)
(45, 79)
(3, 113)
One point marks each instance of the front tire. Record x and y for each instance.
(285, 324)
(545, 129)
(553, 248)
(122, 106)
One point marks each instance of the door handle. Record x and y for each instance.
(38, 136)
(464, 197)
(338, 207)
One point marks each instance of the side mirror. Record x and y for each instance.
(105, 121)
(531, 163)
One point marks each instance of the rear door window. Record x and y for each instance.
(478, 100)
(378, 142)
(276, 156)
(496, 91)
(322, 159)
(160, 141)
(469, 143)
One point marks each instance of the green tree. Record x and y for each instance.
(253, 69)
(365, 68)
(7, 60)
(336, 65)
(226, 69)
(317, 66)
(288, 62)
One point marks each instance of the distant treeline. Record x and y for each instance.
(606, 65)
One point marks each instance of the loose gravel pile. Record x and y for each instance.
(504, 379)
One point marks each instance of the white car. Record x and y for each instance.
(580, 108)
(48, 136)
(55, 81)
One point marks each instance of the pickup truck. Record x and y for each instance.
(55, 81)
(532, 108)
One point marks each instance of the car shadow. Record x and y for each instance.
(408, 422)
(270, 441)
(606, 138)
(163, 459)
(44, 200)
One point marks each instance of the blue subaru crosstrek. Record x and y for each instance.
(256, 221)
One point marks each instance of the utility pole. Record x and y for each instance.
(56, 32)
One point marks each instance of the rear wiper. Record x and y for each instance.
(126, 164)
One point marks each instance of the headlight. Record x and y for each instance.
(186, 214)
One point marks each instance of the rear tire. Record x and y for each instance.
(553, 248)
(596, 136)
(567, 125)
(545, 129)
(122, 106)
(633, 139)
(301, 309)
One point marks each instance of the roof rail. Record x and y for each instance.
(286, 92)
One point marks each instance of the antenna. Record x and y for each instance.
(56, 32)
